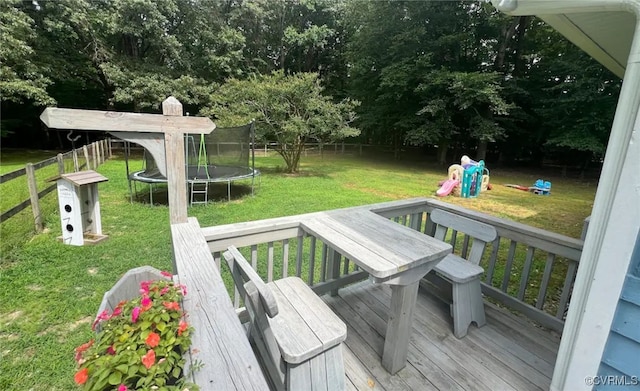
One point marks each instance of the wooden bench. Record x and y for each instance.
(219, 345)
(298, 337)
(463, 275)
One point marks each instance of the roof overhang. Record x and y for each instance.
(602, 28)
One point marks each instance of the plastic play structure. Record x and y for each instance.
(466, 179)
(225, 155)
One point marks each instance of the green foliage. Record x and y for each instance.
(287, 108)
(21, 78)
(422, 74)
(452, 73)
(467, 101)
(579, 97)
(140, 345)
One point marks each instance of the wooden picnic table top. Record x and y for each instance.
(383, 248)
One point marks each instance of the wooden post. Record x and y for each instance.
(33, 195)
(166, 130)
(94, 155)
(86, 156)
(110, 148)
(76, 166)
(60, 164)
(176, 177)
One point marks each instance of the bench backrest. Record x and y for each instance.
(261, 305)
(480, 232)
(242, 273)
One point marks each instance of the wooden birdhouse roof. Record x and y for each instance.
(81, 178)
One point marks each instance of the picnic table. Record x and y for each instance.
(391, 254)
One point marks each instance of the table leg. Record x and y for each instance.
(403, 300)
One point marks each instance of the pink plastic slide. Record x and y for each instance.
(447, 187)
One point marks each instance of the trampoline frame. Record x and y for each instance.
(137, 177)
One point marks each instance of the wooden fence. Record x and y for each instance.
(87, 157)
(310, 149)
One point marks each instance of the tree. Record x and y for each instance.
(459, 104)
(289, 109)
(21, 78)
(423, 73)
(576, 102)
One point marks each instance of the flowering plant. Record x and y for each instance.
(140, 344)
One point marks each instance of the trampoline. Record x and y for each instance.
(224, 156)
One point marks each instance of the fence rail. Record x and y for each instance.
(522, 266)
(92, 155)
(310, 149)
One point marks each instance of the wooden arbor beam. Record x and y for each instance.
(171, 123)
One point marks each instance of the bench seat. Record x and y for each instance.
(457, 269)
(305, 326)
(457, 279)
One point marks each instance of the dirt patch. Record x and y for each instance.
(9, 337)
(512, 211)
(34, 287)
(80, 322)
(12, 316)
(92, 271)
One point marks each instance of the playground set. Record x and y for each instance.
(466, 179)
(540, 187)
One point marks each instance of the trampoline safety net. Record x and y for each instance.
(224, 155)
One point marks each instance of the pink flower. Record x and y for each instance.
(134, 314)
(146, 303)
(152, 340)
(171, 305)
(117, 311)
(111, 350)
(184, 289)
(82, 376)
(164, 290)
(104, 315)
(182, 327)
(122, 387)
(149, 359)
(81, 349)
(166, 274)
(144, 287)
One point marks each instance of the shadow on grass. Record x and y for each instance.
(217, 192)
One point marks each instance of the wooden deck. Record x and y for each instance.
(509, 353)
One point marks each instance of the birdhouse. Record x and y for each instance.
(80, 207)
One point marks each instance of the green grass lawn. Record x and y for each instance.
(51, 292)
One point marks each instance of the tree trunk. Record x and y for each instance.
(443, 146)
(482, 150)
(519, 63)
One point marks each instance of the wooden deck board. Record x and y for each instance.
(508, 353)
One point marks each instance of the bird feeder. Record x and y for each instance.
(80, 208)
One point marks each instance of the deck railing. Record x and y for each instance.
(526, 269)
